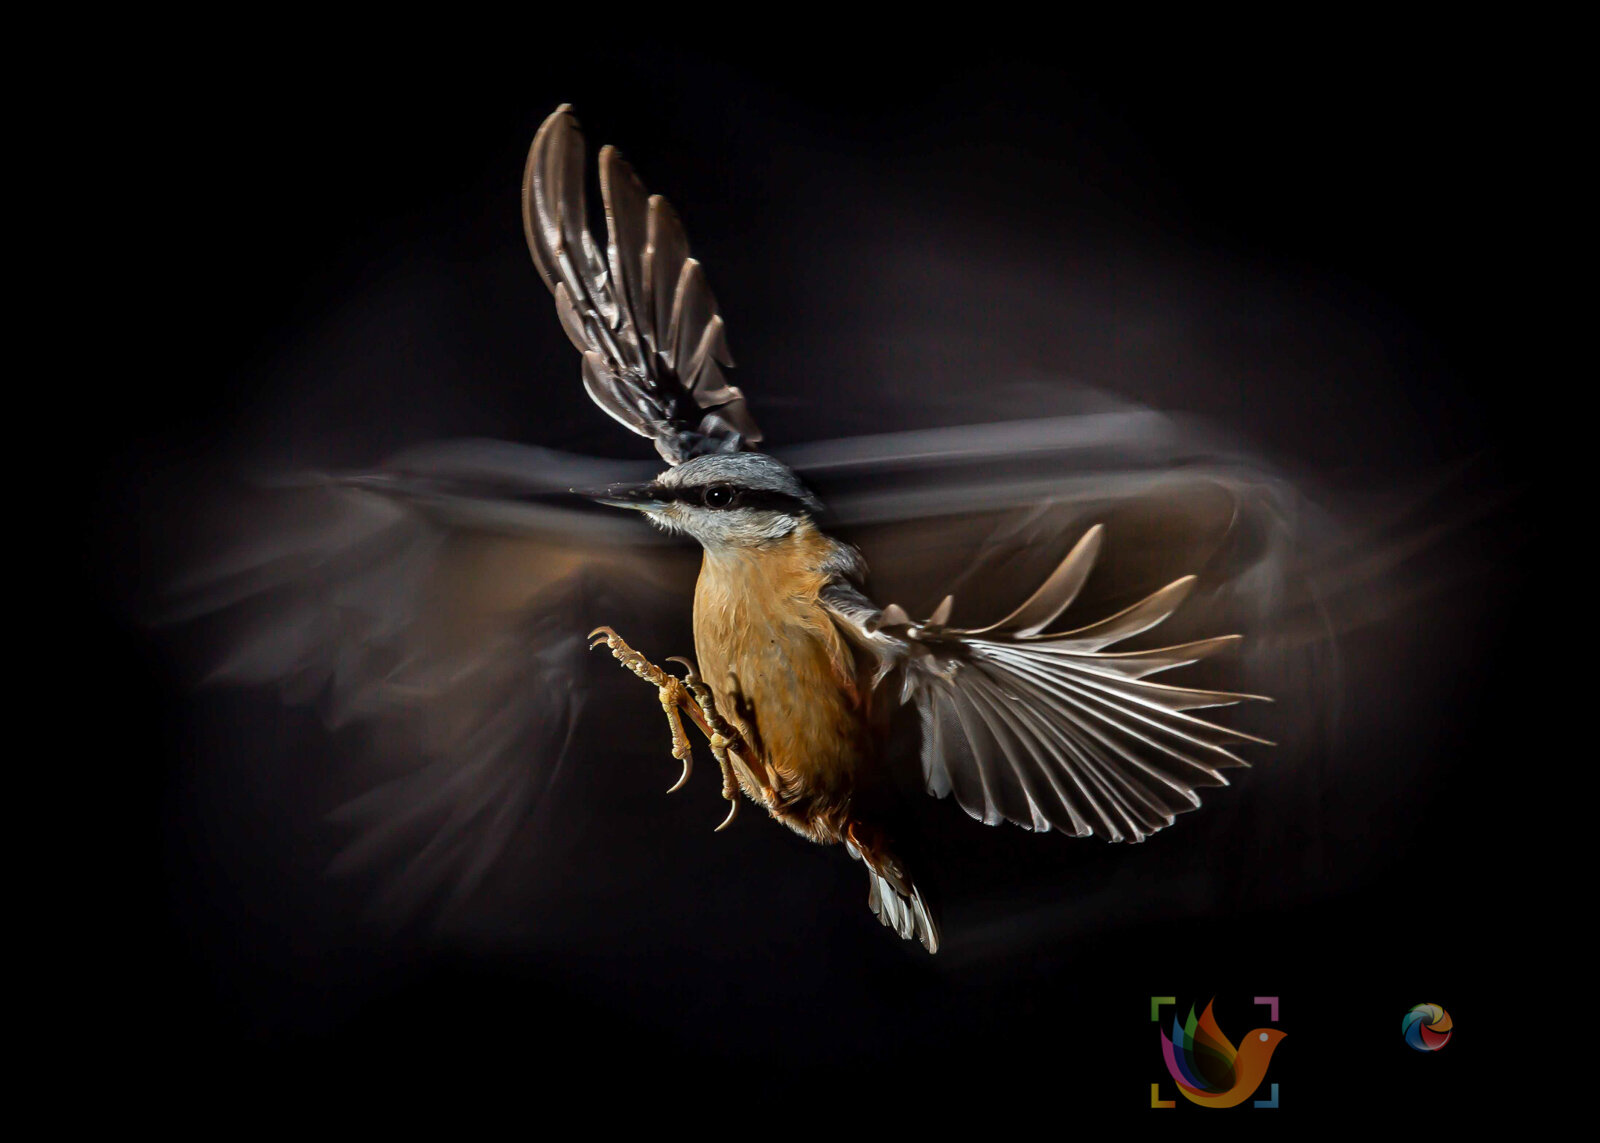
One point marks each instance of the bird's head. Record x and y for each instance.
(724, 500)
(1259, 1045)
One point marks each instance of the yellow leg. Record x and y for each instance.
(690, 694)
(722, 737)
(668, 688)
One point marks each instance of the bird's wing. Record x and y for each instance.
(1023, 723)
(1059, 731)
(640, 312)
(434, 612)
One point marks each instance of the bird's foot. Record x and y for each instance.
(723, 737)
(692, 695)
(669, 689)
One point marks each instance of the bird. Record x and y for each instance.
(797, 671)
(434, 600)
(1206, 1066)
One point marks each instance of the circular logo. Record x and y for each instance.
(1426, 1027)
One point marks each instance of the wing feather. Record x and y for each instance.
(1147, 613)
(1056, 593)
(1047, 802)
(641, 313)
(1052, 731)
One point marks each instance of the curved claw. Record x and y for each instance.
(607, 633)
(688, 765)
(690, 675)
(733, 812)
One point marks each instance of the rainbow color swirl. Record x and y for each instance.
(1426, 1027)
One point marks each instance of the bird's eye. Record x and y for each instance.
(720, 496)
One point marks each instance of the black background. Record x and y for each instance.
(315, 257)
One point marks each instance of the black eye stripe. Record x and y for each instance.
(762, 498)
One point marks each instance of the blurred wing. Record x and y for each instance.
(1061, 730)
(641, 315)
(435, 613)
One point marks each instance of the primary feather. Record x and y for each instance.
(642, 316)
(1053, 731)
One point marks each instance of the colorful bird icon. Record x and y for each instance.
(1208, 1069)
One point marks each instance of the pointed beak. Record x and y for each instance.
(640, 497)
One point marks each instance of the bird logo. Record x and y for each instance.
(1208, 1069)
(1426, 1027)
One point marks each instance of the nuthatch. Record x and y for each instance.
(798, 670)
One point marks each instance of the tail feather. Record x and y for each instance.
(904, 910)
(891, 894)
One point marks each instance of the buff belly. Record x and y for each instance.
(781, 673)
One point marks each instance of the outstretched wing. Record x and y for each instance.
(1058, 731)
(642, 315)
(1055, 730)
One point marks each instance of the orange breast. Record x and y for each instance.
(798, 701)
